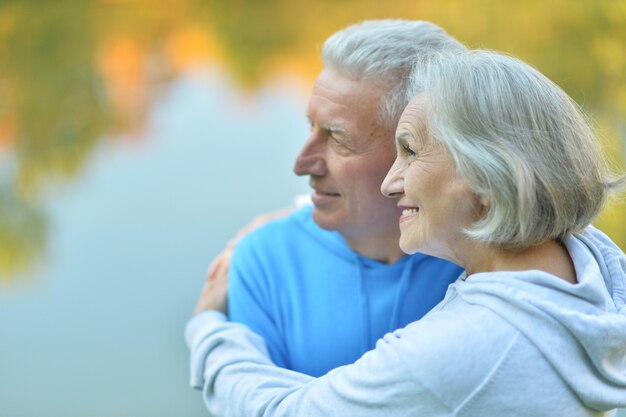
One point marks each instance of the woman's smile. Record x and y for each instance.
(408, 213)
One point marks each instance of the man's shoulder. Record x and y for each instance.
(282, 228)
(297, 230)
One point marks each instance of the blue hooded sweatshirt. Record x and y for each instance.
(317, 303)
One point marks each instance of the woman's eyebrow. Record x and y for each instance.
(405, 136)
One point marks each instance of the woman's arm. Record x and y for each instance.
(232, 367)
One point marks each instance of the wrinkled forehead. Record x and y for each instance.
(347, 103)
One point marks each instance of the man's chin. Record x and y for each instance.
(325, 219)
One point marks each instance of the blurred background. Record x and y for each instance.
(136, 137)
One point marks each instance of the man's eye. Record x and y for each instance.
(339, 145)
(337, 141)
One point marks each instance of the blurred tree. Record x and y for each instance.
(50, 100)
(23, 232)
(54, 92)
(75, 72)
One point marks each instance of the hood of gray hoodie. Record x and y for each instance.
(579, 328)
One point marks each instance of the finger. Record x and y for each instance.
(212, 268)
(222, 260)
(221, 272)
(213, 295)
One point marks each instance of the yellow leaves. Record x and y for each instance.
(611, 222)
(616, 12)
(611, 53)
(191, 46)
(74, 72)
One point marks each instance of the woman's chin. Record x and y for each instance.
(413, 246)
(409, 247)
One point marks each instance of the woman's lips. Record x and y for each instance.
(408, 212)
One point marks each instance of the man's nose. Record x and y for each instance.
(312, 158)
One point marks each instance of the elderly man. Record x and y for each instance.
(325, 283)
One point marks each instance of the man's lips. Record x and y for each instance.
(321, 197)
(322, 191)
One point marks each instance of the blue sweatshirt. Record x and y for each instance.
(514, 344)
(317, 303)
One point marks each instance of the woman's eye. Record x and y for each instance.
(407, 149)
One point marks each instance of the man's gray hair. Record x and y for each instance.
(384, 52)
(519, 142)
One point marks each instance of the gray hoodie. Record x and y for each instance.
(500, 343)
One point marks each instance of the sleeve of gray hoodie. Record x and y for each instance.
(231, 366)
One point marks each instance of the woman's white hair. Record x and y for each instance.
(519, 142)
(384, 52)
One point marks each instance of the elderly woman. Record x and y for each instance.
(498, 172)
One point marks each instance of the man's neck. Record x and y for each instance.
(384, 248)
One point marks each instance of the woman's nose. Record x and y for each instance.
(393, 184)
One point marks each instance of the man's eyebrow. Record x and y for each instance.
(328, 128)
(334, 129)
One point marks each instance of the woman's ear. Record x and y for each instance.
(485, 201)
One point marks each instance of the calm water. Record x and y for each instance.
(136, 139)
(97, 329)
